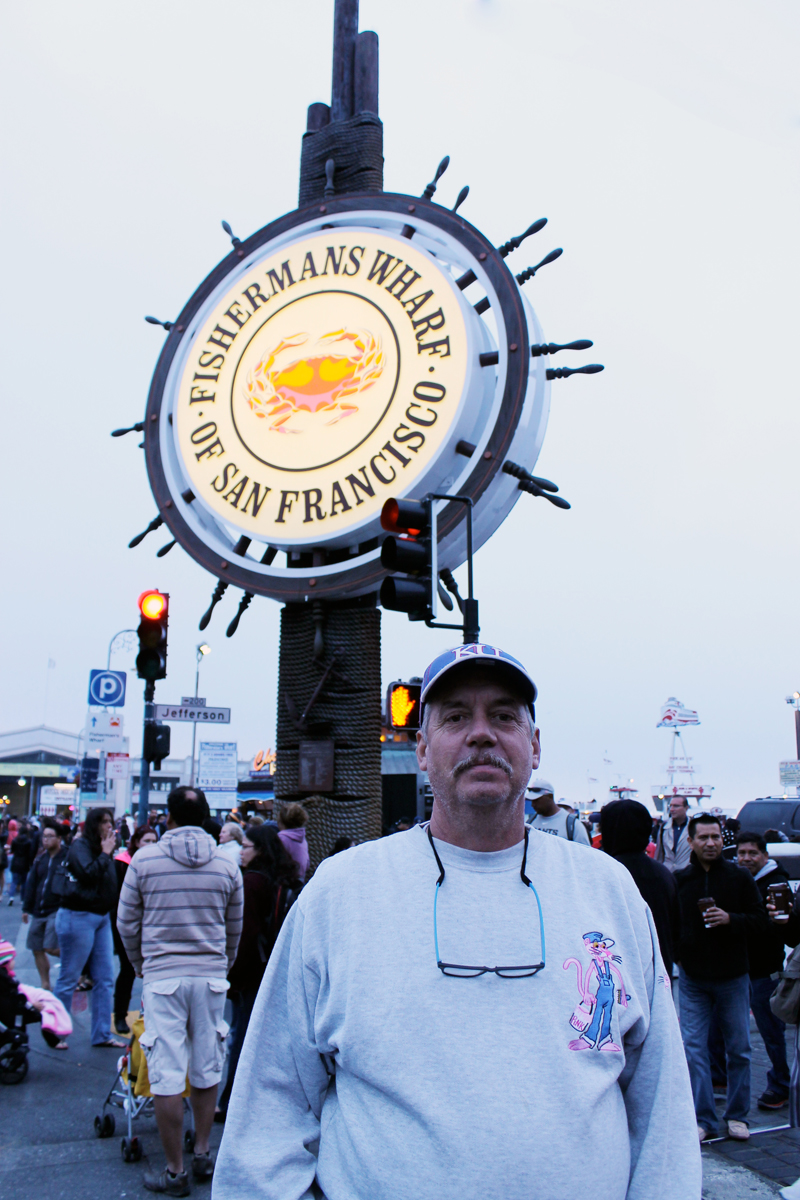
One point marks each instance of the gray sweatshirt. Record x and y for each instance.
(569, 1083)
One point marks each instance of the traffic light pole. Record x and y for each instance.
(144, 774)
(470, 627)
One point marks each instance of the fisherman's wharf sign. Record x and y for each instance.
(326, 379)
(333, 360)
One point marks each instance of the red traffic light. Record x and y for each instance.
(405, 516)
(153, 605)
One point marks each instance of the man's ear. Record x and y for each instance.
(536, 743)
(422, 751)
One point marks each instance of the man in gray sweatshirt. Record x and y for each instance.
(467, 1009)
(180, 919)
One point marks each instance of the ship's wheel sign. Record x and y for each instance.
(370, 347)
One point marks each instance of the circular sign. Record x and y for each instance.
(334, 360)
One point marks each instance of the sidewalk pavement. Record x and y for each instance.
(48, 1145)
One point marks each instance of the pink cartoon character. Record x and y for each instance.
(592, 1015)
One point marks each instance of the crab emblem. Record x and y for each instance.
(340, 364)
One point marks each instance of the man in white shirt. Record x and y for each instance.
(230, 841)
(389, 1058)
(550, 818)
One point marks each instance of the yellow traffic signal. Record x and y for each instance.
(402, 707)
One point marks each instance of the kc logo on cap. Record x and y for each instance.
(476, 651)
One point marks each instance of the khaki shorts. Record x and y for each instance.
(42, 934)
(184, 1033)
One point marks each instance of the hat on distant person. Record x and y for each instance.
(477, 652)
(540, 787)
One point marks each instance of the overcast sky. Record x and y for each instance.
(661, 141)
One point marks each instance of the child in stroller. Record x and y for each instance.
(21, 1006)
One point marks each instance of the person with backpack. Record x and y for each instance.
(270, 889)
(550, 818)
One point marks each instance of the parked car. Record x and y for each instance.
(771, 813)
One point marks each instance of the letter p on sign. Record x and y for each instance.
(107, 688)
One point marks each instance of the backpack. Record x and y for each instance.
(271, 926)
(571, 819)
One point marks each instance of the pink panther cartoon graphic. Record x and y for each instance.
(592, 1015)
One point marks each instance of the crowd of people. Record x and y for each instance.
(195, 909)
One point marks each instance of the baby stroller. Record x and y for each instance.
(130, 1092)
(15, 1015)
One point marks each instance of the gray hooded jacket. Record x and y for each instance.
(180, 908)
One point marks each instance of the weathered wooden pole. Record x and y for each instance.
(329, 754)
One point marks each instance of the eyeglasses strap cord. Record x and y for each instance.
(523, 876)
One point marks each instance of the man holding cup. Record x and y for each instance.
(720, 906)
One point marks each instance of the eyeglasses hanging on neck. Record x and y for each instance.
(459, 970)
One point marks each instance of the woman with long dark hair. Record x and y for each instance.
(83, 925)
(270, 888)
(143, 835)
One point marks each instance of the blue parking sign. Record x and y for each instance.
(107, 688)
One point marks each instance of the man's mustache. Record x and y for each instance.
(481, 760)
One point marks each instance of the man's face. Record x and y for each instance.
(751, 857)
(478, 748)
(50, 840)
(225, 833)
(544, 803)
(678, 809)
(707, 841)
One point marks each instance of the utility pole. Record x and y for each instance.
(144, 774)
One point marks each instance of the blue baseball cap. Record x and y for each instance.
(477, 652)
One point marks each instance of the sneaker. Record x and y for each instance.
(772, 1100)
(163, 1181)
(738, 1131)
(702, 1133)
(202, 1166)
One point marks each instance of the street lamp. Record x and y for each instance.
(202, 650)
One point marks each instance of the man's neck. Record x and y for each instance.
(678, 823)
(54, 851)
(553, 811)
(484, 829)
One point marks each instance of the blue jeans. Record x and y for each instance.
(242, 1004)
(82, 936)
(17, 884)
(773, 1031)
(731, 997)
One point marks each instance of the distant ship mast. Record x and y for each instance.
(675, 716)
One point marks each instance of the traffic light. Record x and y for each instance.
(413, 554)
(151, 661)
(402, 706)
(156, 743)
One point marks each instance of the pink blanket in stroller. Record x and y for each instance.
(55, 1018)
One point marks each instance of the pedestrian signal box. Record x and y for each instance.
(402, 706)
(156, 743)
(151, 661)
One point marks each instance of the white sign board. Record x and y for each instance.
(222, 800)
(104, 730)
(51, 796)
(117, 766)
(193, 712)
(790, 773)
(218, 767)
